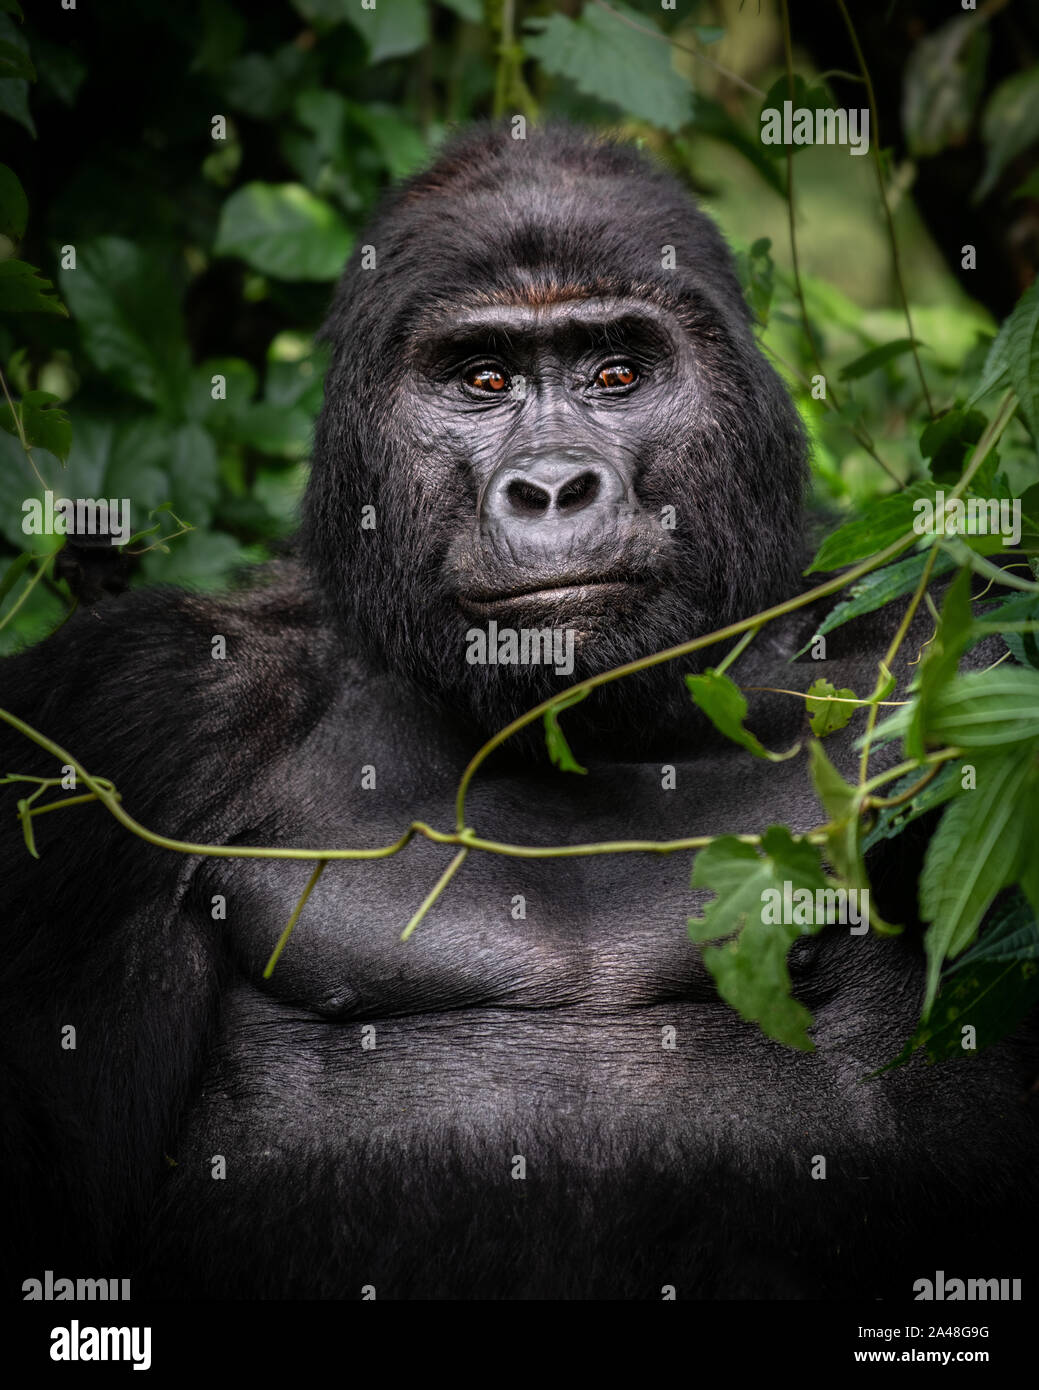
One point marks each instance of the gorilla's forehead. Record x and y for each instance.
(552, 220)
(545, 311)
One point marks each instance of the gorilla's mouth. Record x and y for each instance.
(574, 593)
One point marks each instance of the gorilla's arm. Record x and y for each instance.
(133, 966)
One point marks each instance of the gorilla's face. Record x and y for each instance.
(547, 396)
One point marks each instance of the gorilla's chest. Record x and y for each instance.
(602, 931)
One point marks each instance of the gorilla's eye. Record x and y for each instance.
(485, 378)
(615, 375)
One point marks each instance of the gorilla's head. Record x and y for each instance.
(546, 411)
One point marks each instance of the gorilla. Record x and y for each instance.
(545, 412)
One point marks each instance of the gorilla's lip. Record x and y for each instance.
(577, 591)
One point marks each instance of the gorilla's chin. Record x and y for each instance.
(504, 658)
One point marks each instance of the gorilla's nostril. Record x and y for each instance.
(578, 492)
(527, 498)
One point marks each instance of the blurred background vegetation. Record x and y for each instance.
(206, 248)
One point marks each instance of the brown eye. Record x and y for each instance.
(489, 379)
(617, 374)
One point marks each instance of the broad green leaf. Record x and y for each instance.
(14, 91)
(15, 63)
(826, 715)
(877, 526)
(970, 550)
(14, 206)
(815, 97)
(756, 271)
(842, 803)
(44, 422)
(472, 10)
(326, 13)
(194, 473)
(23, 290)
(263, 85)
(1010, 934)
(128, 315)
(13, 573)
(1016, 336)
(877, 357)
(876, 589)
(1021, 612)
(751, 970)
(201, 559)
(948, 440)
(558, 748)
(235, 393)
(393, 28)
(724, 704)
(713, 119)
(940, 664)
(1009, 125)
(976, 851)
(606, 58)
(942, 83)
(398, 140)
(892, 820)
(991, 997)
(982, 709)
(285, 231)
(1023, 353)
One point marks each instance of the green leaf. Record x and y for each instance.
(723, 703)
(1024, 609)
(1022, 347)
(1010, 124)
(892, 820)
(751, 971)
(398, 140)
(874, 528)
(983, 709)
(1017, 336)
(471, 10)
(201, 559)
(826, 716)
(941, 663)
(127, 309)
(393, 28)
(558, 748)
(713, 119)
(998, 985)
(757, 271)
(942, 84)
(14, 206)
(947, 441)
(606, 58)
(976, 851)
(15, 62)
(13, 573)
(1011, 934)
(876, 589)
(842, 803)
(44, 422)
(194, 473)
(992, 998)
(23, 290)
(876, 357)
(285, 231)
(800, 94)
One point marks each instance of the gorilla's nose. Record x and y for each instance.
(553, 490)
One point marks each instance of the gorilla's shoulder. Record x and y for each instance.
(166, 676)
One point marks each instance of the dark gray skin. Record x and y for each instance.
(393, 1167)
